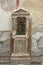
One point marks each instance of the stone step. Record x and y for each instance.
(20, 61)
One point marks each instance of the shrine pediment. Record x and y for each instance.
(20, 11)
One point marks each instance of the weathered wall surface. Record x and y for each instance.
(35, 7)
(5, 20)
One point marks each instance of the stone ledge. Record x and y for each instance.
(20, 54)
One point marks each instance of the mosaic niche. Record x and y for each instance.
(21, 25)
(20, 45)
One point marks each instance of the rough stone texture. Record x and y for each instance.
(37, 28)
(36, 9)
(4, 60)
(5, 48)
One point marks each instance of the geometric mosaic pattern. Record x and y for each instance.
(20, 45)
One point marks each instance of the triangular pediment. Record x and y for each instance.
(20, 10)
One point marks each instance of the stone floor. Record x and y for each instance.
(30, 64)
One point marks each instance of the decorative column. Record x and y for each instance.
(27, 23)
(27, 33)
(14, 32)
(30, 30)
(14, 26)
